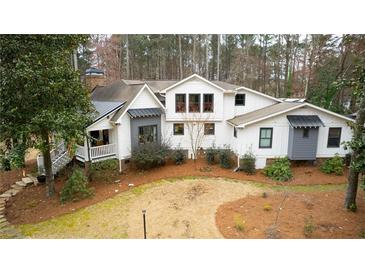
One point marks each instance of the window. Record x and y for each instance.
(180, 102)
(334, 137)
(147, 134)
(194, 102)
(178, 129)
(209, 129)
(235, 132)
(265, 138)
(305, 132)
(240, 99)
(208, 102)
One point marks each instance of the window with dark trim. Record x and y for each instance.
(235, 132)
(240, 99)
(147, 134)
(265, 137)
(180, 102)
(179, 129)
(209, 129)
(208, 102)
(334, 137)
(194, 102)
(305, 132)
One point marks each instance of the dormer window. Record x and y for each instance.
(194, 102)
(240, 99)
(180, 102)
(208, 102)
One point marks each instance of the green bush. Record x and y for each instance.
(75, 187)
(4, 163)
(17, 156)
(149, 156)
(333, 165)
(224, 158)
(178, 156)
(279, 170)
(210, 155)
(111, 164)
(247, 163)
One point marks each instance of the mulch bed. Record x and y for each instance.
(7, 178)
(32, 205)
(322, 212)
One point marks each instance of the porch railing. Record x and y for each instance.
(96, 152)
(102, 151)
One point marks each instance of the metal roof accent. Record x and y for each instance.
(144, 112)
(304, 121)
(103, 108)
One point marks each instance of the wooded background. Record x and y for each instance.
(281, 65)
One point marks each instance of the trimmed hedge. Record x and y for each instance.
(333, 165)
(151, 155)
(247, 163)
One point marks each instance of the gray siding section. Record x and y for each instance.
(302, 148)
(140, 122)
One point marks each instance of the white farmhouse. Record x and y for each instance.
(133, 112)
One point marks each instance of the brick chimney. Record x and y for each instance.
(94, 77)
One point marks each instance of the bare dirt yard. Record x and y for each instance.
(175, 209)
(315, 214)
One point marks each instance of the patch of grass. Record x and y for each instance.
(239, 222)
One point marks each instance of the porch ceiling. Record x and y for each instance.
(304, 121)
(144, 112)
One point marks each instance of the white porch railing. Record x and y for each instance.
(102, 151)
(96, 153)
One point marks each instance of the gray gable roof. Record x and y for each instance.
(103, 108)
(262, 113)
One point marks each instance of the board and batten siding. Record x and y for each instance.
(248, 137)
(302, 148)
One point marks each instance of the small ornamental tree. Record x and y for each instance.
(41, 93)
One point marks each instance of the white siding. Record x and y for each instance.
(248, 138)
(145, 100)
(253, 102)
(194, 86)
(102, 124)
(124, 138)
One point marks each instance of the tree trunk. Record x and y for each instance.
(180, 58)
(48, 165)
(206, 56)
(218, 55)
(127, 56)
(193, 69)
(353, 177)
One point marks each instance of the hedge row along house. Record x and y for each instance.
(132, 113)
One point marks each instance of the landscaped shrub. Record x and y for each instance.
(239, 222)
(75, 187)
(104, 171)
(17, 155)
(279, 170)
(333, 165)
(225, 158)
(247, 163)
(309, 227)
(178, 156)
(4, 163)
(210, 155)
(150, 155)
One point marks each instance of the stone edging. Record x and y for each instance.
(6, 230)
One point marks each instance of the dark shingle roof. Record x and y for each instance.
(304, 121)
(92, 70)
(144, 112)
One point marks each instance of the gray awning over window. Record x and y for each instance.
(144, 112)
(304, 121)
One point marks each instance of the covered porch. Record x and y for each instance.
(98, 146)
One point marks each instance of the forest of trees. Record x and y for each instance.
(281, 65)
